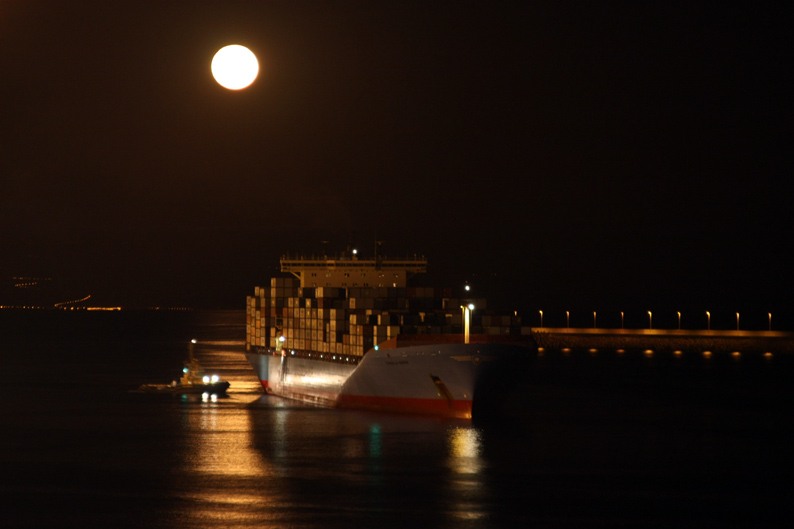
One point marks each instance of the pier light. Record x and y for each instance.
(594, 319)
(568, 319)
(737, 321)
(770, 320)
(621, 320)
(466, 287)
(541, 318)
(708, 320)
(679, 320)
(650, 320)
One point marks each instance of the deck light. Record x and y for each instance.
(466, 320)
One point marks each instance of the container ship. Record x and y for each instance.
(349, 332)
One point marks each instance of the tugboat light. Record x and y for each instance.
(214, 378)
(184, 370)
(206, 379)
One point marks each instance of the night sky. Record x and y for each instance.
(586, 156)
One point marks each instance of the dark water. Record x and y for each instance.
(592, 440)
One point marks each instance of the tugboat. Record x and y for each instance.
(193, 380)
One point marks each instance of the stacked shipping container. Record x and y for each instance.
(347, 322)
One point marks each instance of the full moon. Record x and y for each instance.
(234, 67)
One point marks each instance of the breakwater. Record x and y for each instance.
(665, 340)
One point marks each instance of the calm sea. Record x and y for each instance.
(590, 440)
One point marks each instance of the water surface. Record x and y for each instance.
(592, 439)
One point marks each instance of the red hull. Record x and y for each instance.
(456, 408)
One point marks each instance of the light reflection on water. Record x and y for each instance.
(464, 450)
(219, 454)
(219, 458)
(465, 482)
(252, 460)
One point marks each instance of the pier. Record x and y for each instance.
(665, 340)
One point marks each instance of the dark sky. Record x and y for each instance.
(586, 156)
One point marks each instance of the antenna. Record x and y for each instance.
(378, 254)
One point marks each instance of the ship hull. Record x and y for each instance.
(449, 380)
